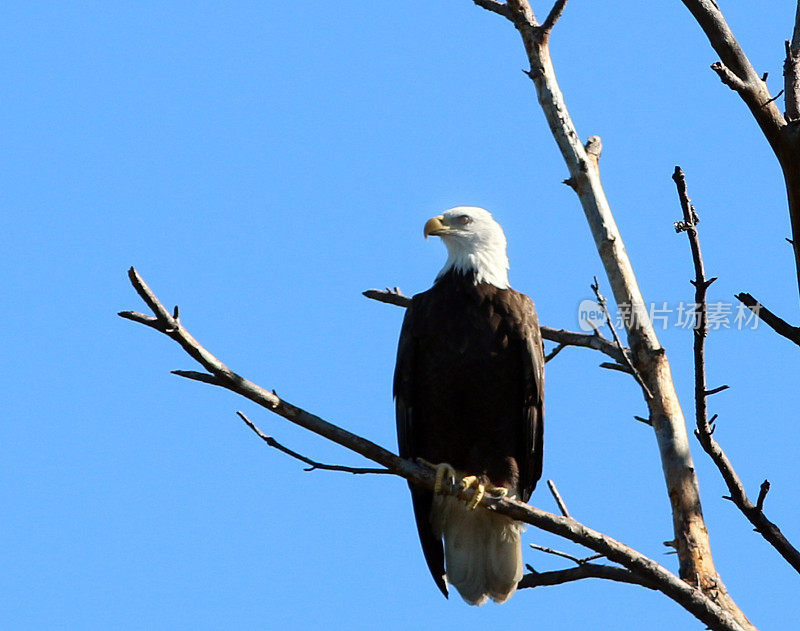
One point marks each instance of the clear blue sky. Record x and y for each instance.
(262, 163)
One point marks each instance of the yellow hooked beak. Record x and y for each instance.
(435, 226)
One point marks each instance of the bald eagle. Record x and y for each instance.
(468, 388)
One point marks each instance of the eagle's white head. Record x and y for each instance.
(475, 242)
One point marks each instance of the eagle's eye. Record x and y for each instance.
(465, 220)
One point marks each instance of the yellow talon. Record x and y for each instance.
(480, 491)
(468, 482)
(443, 470)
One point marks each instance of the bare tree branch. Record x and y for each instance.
(748, 83)
(522, 14)
(791, 72)
(495, 7)
(585, 570)
(389, 296)
(313, 465)
(736, 71)
(728, 77)
(692, 599)
(564, 555)
(219, 374)
(704, 430)
(618, 368)
(762, 494)
(594, 341)
(553, 17)
(776, 323)
(554, 552)
(647, 354)
(562, 337)
(557, 497)
(627, 364)
(552, 354)
(716, 390)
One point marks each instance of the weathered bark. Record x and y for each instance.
(691, 536)
(791, 72)
(705, 430)
(782, 132)
(789, 157)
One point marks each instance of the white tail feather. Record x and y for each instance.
(483, 553)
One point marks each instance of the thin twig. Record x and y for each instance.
(594, 341)
(563, 555)
(617, 367)
(601, 300)
(554, 352)
(580, 572)
(762, 494)
(774, 98)
(553, 17)
(705, 431)
(557, 497)
(776, 323)
(313, 464)
(495, 7)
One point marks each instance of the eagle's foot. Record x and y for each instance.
(444, 472)
(445, 476)
(468, 482)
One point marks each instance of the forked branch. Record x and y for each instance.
(650, 572)
(562, 337)
(735, 69)
(705, 428)
(313, 465)
(627, 364)
(647, 355)
(781, 131)
(579, 572)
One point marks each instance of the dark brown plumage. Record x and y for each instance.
(469, 392)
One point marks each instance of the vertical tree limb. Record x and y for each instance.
(750, 86)
(691, 536)
(705, 430)
(736, 71)
(791, 72)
